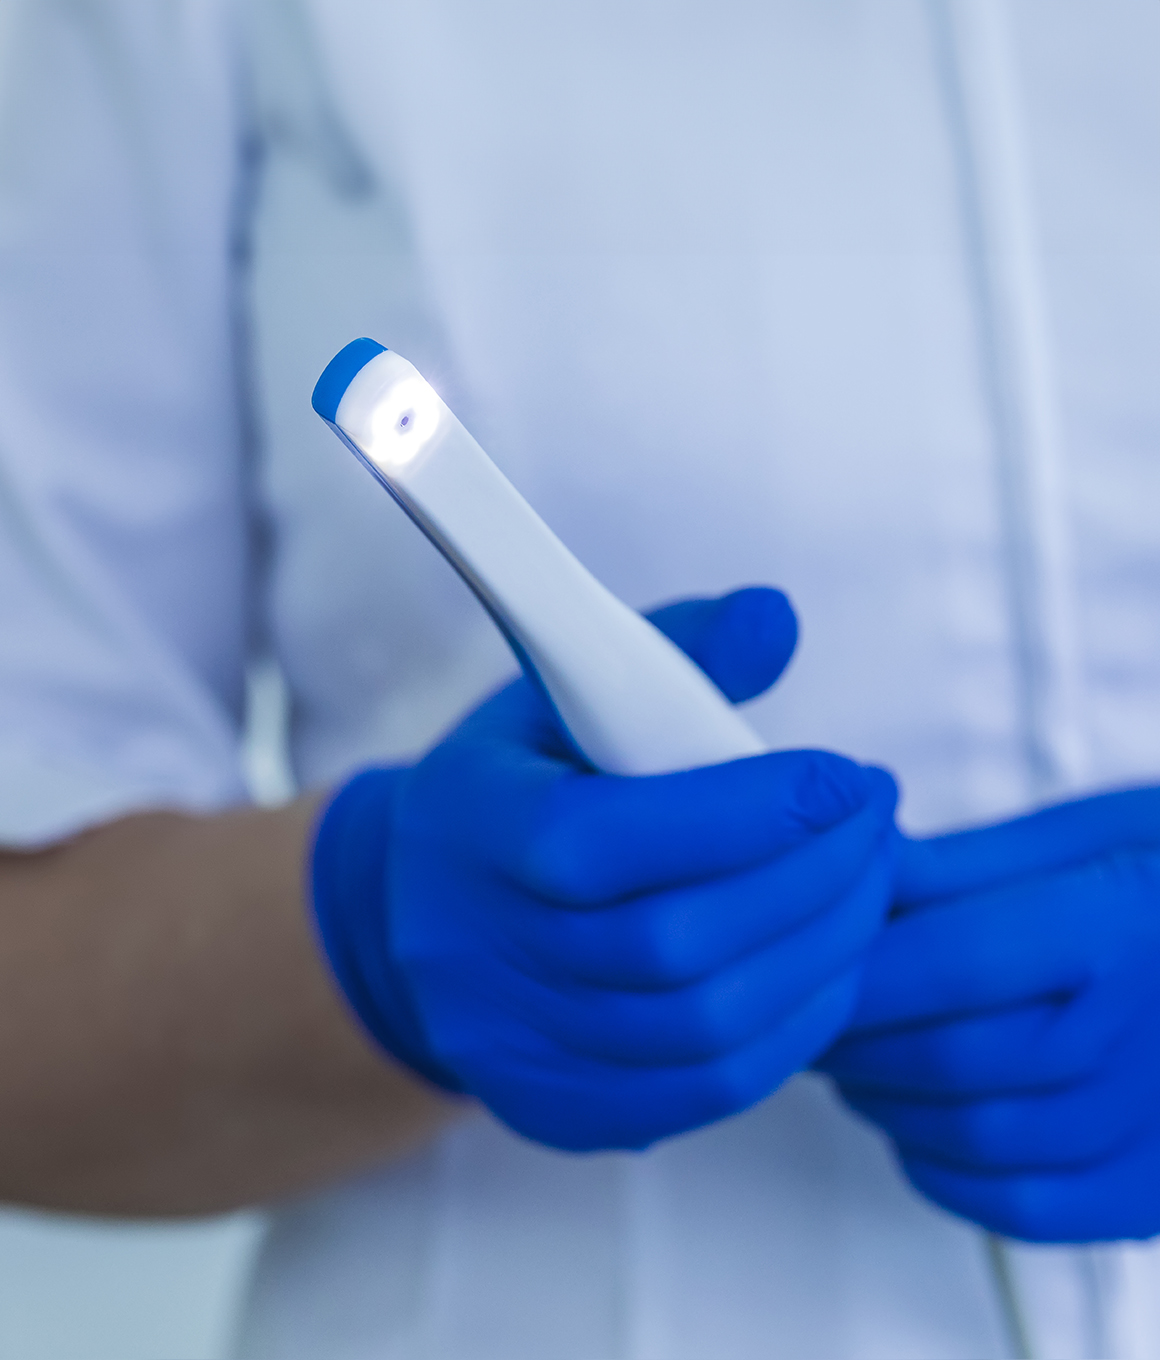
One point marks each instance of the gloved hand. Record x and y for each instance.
(1008, 1034)
(604, 961)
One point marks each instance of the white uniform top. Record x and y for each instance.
(914, 248)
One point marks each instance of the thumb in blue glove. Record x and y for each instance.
(605, 961)
(1008, 1036)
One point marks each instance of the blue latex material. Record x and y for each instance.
(336, 376)
(602, 960)
(1008, 1035)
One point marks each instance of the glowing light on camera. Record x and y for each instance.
(402, 423)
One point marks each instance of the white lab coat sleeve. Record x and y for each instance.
(124, 530)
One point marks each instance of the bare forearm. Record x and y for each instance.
(170, 1041)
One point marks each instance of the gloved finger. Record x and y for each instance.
(727, 1010)
(586, 839)
(1026, 1048)
(1076, 1124)
(583, 1105)
(742, 641)
(1012, 945)
(1053, 839)
(589, 840)
(1108, 1201)
(1018, 1049)
(675, 936)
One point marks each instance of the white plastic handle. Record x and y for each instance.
(632, 701)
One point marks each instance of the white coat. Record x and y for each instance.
(913, 246)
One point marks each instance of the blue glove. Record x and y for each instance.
(1008, 1035)
(604, 961)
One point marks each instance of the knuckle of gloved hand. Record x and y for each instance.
(661, 950)
(560, 860)
(1117, 913)
(714, 1014)
(982, 1133)
(615, 947)
(729, 1084)
(1025, 1208)
(1017, 1206)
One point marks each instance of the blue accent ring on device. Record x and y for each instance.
(339, 373)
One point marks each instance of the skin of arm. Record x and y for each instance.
(172, 1041)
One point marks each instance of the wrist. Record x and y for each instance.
(350, 903)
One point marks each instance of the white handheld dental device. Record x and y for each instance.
(632, 702)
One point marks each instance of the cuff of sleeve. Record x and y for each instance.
(44, 801)
(348, 892)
